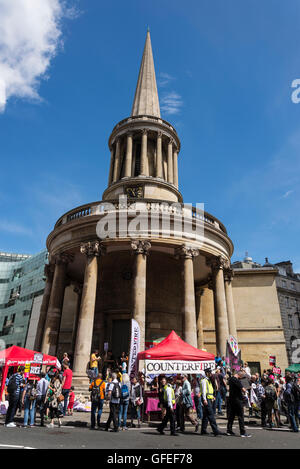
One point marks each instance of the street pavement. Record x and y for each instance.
(76, 434)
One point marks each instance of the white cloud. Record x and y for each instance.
(30, 35)
(164, 79)
(287, 194)
(171, 103)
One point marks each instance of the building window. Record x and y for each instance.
(287, 301)
(283, 283)
(293, 286)
(291, 326)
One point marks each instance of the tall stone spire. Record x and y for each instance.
(146, 97)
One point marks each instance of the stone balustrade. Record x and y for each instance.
(101, 208)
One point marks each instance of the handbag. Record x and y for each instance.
(60, 398)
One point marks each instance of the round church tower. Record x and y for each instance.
(139, 253)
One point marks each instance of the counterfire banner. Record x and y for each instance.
(174, 367)
(134, 348)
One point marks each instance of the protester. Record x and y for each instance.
(54, 397)
(29, 397)
(94, 362)
(41, 389)
(207, 396)
(124, 401)
(270, 400)
(197, 397)
(14, 386)
(179, 413)
(187, 404)
(97, 388)
(113, 395)
(136, 401)
(66, 385)
(220, 391)
(168, 402)
(289, 398)
(235, 402)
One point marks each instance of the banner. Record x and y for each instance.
(134, 349)
(177, 367)
(233, 345)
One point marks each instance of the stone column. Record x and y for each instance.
(128, 161)
(189, 308)
(117, 161)
(49, 270)
(170, 161)
(159, 165)
(228, 276)
(217, 265)
(199, 317)
(140, 248)
(52, 325)
(111, 168)
(144, 153)
(175, 168)
(87, 309)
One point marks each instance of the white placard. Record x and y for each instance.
(177, 367)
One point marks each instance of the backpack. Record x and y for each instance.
(296, 391)
(95, 394)
(12, 385)
(270, 394)
(124, 392)
(116, 392)
(33, 393)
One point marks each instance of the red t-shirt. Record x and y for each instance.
(68, 382)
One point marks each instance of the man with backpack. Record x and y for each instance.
(97, 388)
(114, 396)
(289, 397)
(14, 390)
(124, 401)
(270, 399)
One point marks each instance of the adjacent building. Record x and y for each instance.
(22, 285)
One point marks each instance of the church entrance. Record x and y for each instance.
(120, 336)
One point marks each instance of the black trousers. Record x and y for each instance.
(236, 409)
(113, 416)
(13, 402)
(169, 417)
(40, 404)
(209, 416)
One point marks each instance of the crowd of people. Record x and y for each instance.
(198, 399)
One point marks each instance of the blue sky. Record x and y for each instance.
(224, 72)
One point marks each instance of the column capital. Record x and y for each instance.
(228, 274)
(218, 263)
(187, 252)
(92, 248)
(140, 246)
(159, 134)
(171, 141)
(144, 131)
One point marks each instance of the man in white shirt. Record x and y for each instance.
(114, 395)
(41, 391)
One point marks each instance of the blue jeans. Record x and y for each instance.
(198, 405)
(292, 412)
(123, 413)
(97, 405)
(65, 392)
(29, 408)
